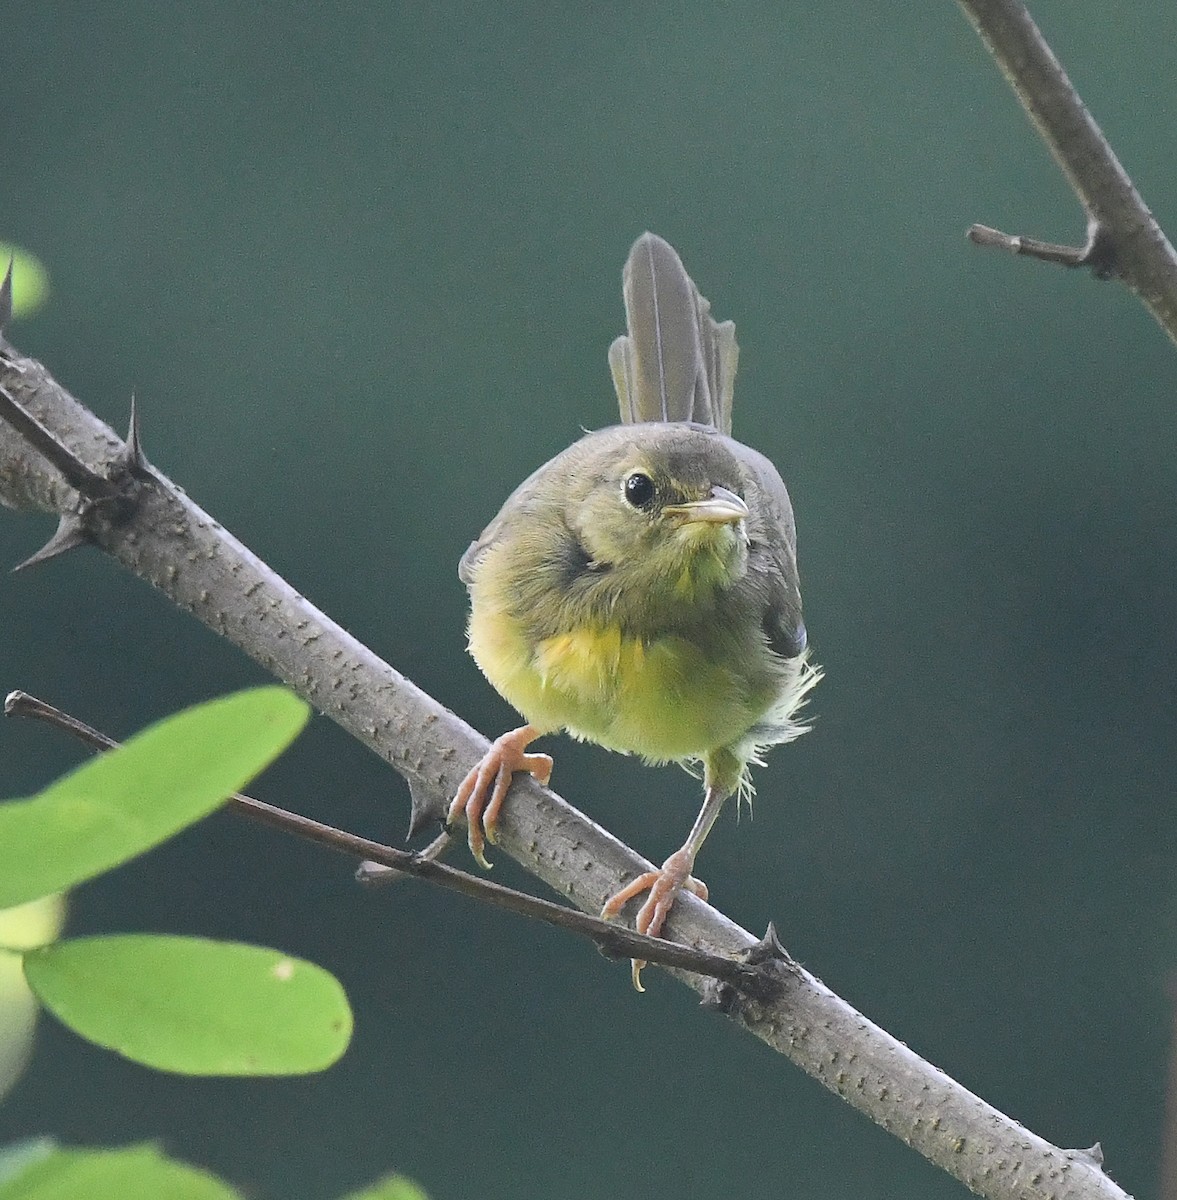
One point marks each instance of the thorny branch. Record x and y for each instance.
(157, 533)
(614, 940)
(161, 535)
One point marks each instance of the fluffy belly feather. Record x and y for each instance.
(665, 699)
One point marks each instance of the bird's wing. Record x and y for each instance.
(518, 502)
(782, 623)
(772, 554)
(676, 363)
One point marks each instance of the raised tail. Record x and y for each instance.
(676, 363)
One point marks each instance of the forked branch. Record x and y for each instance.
(1123, 238)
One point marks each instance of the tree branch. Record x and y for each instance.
(161, 535)
(615, 940)
(1123, 238)
(1065, 256)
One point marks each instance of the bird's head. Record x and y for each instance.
(664, 509)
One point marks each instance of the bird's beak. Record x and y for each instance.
(721, 507)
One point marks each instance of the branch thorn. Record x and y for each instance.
(768, 949)
(6, 296)
(133, 455)
(1093, 1154)
(423, 810)
(70, 533)
(722, 997)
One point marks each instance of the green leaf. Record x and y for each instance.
(194, 1006)
(130, 1173)
(391, 1187)
(123, 803)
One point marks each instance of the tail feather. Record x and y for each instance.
(676, 362)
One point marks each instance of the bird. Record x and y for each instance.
(640, 589)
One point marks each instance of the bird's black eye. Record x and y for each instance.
(639, 489)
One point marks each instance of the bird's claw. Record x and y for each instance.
(664, 885)
(479, 798)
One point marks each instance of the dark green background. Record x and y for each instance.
(361, 264)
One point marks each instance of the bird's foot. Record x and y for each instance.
(664, 885)
(479, 798)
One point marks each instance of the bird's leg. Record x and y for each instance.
(671, 878)
(480, 795)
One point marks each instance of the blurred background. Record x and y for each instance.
(361, 265)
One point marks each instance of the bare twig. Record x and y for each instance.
(1124, 240)
(615, 940)
(1066, 256)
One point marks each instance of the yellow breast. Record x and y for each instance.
(664, 699)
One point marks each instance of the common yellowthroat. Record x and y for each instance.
(640, 589)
